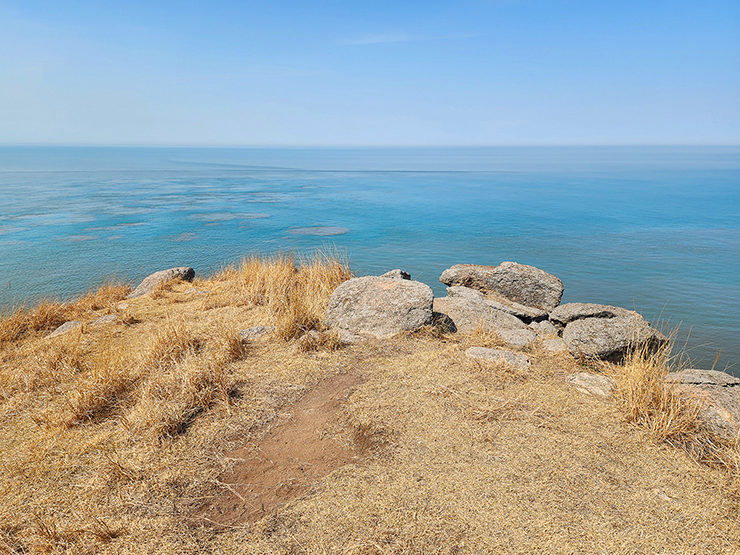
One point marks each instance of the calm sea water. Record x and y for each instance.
(654, 229)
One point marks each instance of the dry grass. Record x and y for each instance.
(111, 436)
(668, 413)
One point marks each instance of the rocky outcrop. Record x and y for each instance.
(522, 284)
(719, 394)
(466, 314)
(570, 312)
(65, 327)
(495, 355)
(610, 338)
(545, 327)
(151, 281)
(396, 274)
(499, 302)
(380, 306)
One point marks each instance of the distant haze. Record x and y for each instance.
(313, 73)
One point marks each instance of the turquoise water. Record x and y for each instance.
(656, 229)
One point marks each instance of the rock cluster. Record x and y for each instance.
(151, 281)
(519, 303)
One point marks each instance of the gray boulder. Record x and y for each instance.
(396, 274)
(467, 314)
(255, 332)
(720, 396)
(380, 306)
(545, 327)
(499, 302)
(522, 284)
(514, 359)
(554, 346)
(151, 281)
(610, 338)
(570, 312)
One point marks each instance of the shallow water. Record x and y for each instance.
(655, 229)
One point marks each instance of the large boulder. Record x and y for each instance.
(380, 306)
(610, 338)
(570, 312)
(499, 302)
(151, 281)
(719, 394)
(467, 314)
(522, 284)
(495, 355)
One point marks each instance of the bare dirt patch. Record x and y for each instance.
(292, 457)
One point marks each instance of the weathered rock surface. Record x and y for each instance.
(396, 274)
(65, 327)
(591, 384)
(570, 312)
(380, 306)
(545, 327)
(522, 284)
(720, 394)
(515, 359)
(151, 281)
(255, 332)
(610, 338)
(554, 345)
(467, 314)
(107, 319)
(499, 302)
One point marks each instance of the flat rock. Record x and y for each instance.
(591, 384)
(107, 319)
(522, 284)
(545, 327)
(151, 281)
(514, 359)
(499, 302)
(65, 327)
(719, 394)
(378, 306)
(570, 312)
(255, 332)
(610, 338)
(396, 274)
(467, 314)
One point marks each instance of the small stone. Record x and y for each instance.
(544, 327)
(592, 384)
(65, 327)
(151, 281)
(107, 319)
(255, 332)
(396, 274)
(514, 359)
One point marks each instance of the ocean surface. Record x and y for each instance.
(655, 229)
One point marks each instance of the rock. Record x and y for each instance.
(122, 306)
(514, 359)
(151, 281)
(610, 338)
(545, 327)
(196, 291)
(554, 346)
(570, 312)
(349, 338)
(468, 314)
(396, 274)
(380, 306)
(591, 384)
(522, 284)
(720, 394)
(494, 300)
(65, 327)
(255, 332)
(107, 319)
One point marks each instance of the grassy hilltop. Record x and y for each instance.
(166, 431)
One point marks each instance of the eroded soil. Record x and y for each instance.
(289, 460)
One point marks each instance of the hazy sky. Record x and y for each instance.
(344, 73)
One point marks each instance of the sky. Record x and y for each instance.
(381, 73)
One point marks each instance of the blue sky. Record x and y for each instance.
(324, 73)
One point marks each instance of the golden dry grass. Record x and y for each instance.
(111, 436)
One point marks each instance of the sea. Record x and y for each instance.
(654, 229)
